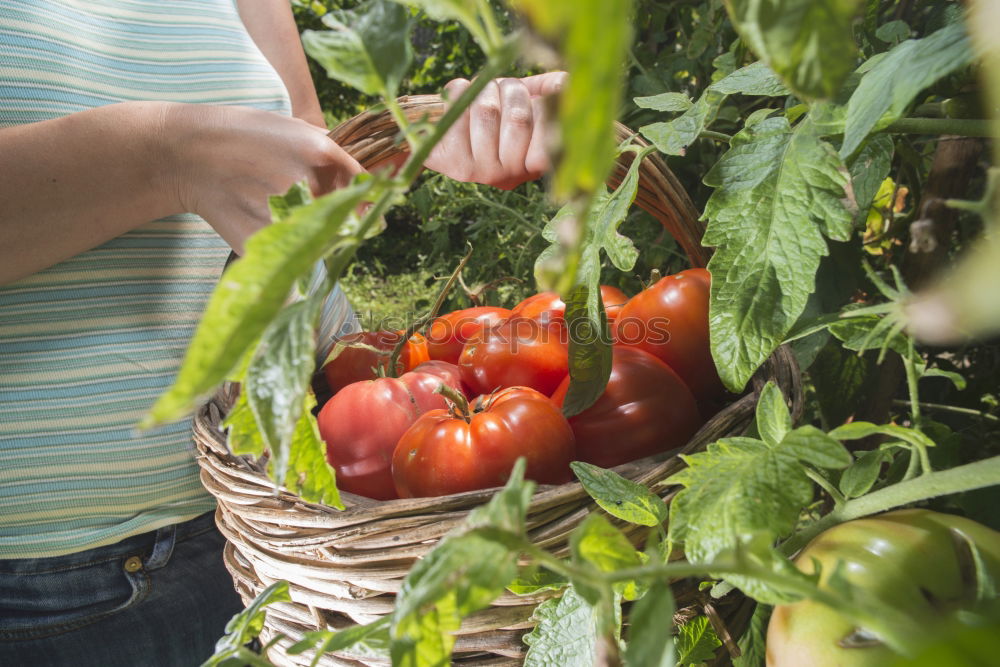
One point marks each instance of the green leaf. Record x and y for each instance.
(463, 11)
(536, 580)
(671, 102)
(893, 32)
(773, 419)
(566, 633)
(282, 205)
(752, 650)
(309, 474)
(809, 43)
(368, 48)
(589, 349)
(649, 643)
(743, 486)
(465, 572)
(674, 136)
(597, 542)
(244, 438)
(869, 167)
(253, 290)
(888, 88)
(246, 626)
(778, 192)
(696, 642)
(278, 377)
(955, 378)
(861, 429)
(620, 497)
(365, 641)
(756, 79)
(859, 479)
(868, 332)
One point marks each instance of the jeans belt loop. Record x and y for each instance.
(163, 547)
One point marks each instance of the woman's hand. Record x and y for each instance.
(226, 161)
(500, 139)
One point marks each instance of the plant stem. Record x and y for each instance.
(952, 408)
(826, 485)
(959, 126)
(712, 134)
(941, 483)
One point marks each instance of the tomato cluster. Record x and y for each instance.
(484, 386)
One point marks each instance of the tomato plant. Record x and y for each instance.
(669, 319)
(360, 355)
(448, 333)
(362, 423)
(914, 561)
(475, 446)
(644, 410)
(516, 353)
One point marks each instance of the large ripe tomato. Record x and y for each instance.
(362, 423)
(448, 333)
(462, 449)
(907, 559)
(516, 353)
(644, 410)
(669, 319)
(548, 305)
(354, 364)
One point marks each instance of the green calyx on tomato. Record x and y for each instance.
(915, 561)
(475, 446)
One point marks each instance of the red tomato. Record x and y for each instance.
(362, 423)
(354, 364)
(450, 451)
(549, 305)
(516, 353)
(450, 373)
(669, 319)
(448, 333)
(645, 409)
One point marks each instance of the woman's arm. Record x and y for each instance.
(271, 24)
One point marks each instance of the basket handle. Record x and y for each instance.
(372, 137)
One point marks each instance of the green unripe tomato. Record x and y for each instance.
(910, 560)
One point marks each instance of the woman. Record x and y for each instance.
(139, 141)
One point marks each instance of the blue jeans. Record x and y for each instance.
(161, 598)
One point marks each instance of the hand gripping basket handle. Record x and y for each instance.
(373, 137)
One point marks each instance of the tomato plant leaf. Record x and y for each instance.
(278, 377)
(566, 633)
(597, 542)
(308, 473)
(462, 11)
(674, 136)
(862, 429)
(861, 476)
(809, 43)
(620, 497)
(366, 641)
(462, 574)
(243, 437)
(696, 642)
(589, 350)
(755, 79)
(777, 193)
(741, 487)
(367, 48)
(888, 87)
(536, 580)
(253, 290)
(751, 644)
(244, 627)
(649, 644)
(773, 419)
(671, 102)
(869, 167)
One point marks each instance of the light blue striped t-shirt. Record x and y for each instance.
(87, 345)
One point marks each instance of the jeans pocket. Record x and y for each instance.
(55, 597)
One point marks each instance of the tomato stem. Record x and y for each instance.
(458, 401)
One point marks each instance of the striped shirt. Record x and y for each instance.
(87, 345)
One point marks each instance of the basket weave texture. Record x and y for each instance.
(345, 567)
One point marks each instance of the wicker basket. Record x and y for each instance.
(345, 567)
